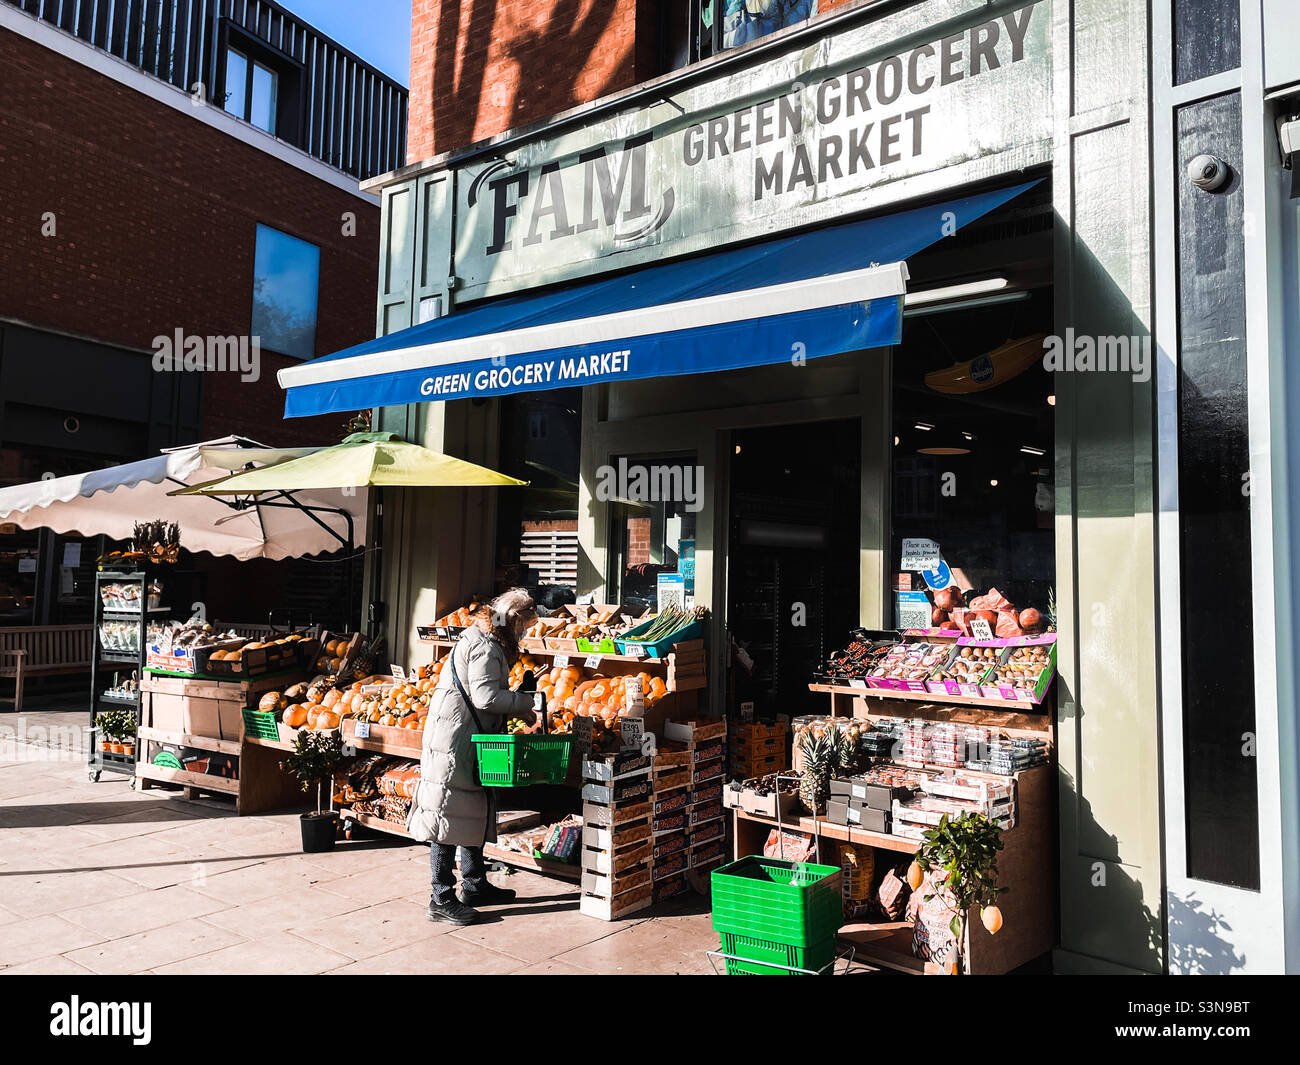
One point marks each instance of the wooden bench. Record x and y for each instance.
(43, 651)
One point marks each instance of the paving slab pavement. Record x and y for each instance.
(101, 878)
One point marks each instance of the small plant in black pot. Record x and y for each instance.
(312, 761)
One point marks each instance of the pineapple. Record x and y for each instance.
(818, 754)
(848, 751)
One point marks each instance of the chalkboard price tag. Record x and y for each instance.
(582, 735)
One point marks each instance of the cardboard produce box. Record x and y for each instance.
(220, 719)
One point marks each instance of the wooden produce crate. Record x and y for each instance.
(686, 666)
(384, 739)
(618, 859)
(626, 834)
(201, 707)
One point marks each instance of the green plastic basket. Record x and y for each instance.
(769, 957)
(794, 903)
(511, 761)
(260, 725)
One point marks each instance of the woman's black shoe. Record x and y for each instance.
(487, 895)
(453, 912)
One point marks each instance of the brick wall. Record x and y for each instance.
(638, 541)
(479, 67)
(156, 218)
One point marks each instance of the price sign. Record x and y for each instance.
(399, 674)
(582, 737)
(633, 729)
(561, 660)
(636, 650)
(981, 629)
(747, 711)
(593, 662)
(920, 554)
(414, 675)
(857, 682)
(363, 730)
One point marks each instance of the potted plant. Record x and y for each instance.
(126, 732)
(961, 854)
(110, 723)
(312, 761)
(103, 726)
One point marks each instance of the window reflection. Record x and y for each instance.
(286, 277)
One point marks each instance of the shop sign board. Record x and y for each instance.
(836, 127)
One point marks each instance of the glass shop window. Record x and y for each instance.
(286, 282)
(973, 469)
(537, 525)
(656, 500)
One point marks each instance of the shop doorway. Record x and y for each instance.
(792, 559)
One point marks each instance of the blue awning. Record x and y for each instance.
(809, 295)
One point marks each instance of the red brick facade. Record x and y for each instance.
(156, 216)
(480, 67)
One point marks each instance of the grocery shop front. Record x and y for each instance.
(812, 284)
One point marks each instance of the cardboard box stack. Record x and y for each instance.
(758, 748)
(617, 847)
(705, 742)
(672, 795)
(868, 800)
(961, 792)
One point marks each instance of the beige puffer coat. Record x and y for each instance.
(450, 805)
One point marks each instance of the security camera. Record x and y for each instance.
(1208, 173)
(1288, 142)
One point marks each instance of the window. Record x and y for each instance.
(286, 278)
(251, 90)
(748, 20)
(691, 30)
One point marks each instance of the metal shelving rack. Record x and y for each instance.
(118, 662)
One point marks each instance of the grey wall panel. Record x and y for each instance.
(1110, 846)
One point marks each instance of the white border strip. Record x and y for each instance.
(110, 66)
(855, 286)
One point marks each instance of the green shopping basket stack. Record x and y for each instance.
(514, 760)
(776, 917)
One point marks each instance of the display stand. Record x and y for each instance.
(107, 661)
(685, 676)
(1025, 864)
(260, 784)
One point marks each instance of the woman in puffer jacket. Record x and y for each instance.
(451, 810)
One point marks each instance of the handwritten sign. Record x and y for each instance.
(920, 553)
(582, 736)
(981, 629)
(363, 730)
(561, 660)
(593, 662)
(633, 728)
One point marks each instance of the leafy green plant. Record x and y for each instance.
(116, 724)
(961, 854)
(313, 759)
